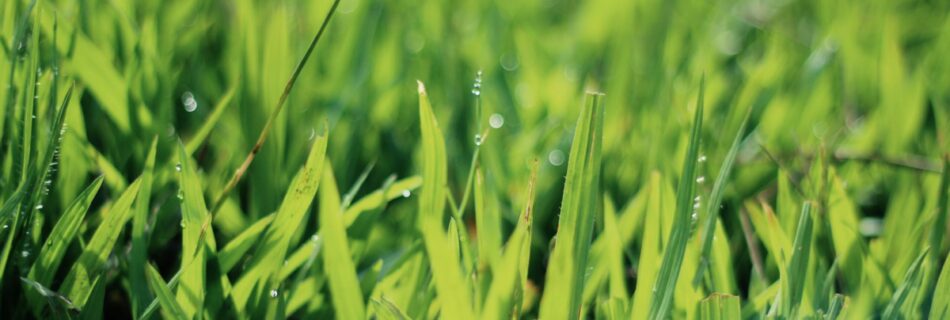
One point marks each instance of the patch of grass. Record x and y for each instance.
(240, 159)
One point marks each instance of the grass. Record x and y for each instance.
(474, 160)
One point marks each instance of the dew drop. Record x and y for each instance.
(478, 139)
(188, 101)
(696, 205)
(694, 216)
(274, 293)
(178, 167)
(496, 120)
(406, 193)
(556, 157)
(697, 198)
(702, 158)
(476, 91)
(181, 194)
(39, 206)
(700, 179)
(25, 253)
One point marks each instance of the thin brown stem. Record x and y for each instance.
(270, 121)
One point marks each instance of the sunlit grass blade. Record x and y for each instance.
(387, 310)
(453, 291)
(259, 278)
(720, 306)
(80, 281)
(194, 213)
(940, 306)
(340, 269)
(166, 299)
(235, 250)
(675, 249)
(581, 201)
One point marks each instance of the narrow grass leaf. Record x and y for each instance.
(675, 250)
(166, 299)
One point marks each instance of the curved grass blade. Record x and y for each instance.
(676, 246)
(80, 281)
(140, 294)
(451, 287)
(582, 199)
(798, 263)
(51, 254)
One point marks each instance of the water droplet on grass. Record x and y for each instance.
(274, 293)
(39, 206)
(702, 158)
(700, 179)
(478, 139)
(556, 157)
(188, 100)
(496, 120)
(178, 167)
(406, 193)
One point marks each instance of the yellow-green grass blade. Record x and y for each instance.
(720, 306)
(63, 233)
(488, 240)
(387, 310)
(340, 270)
(453, 291)
(379, 198)
(80, 281)
(166, 299)
(256, 283)
(581, 202)
(940, 306)
(195, 247)
(674, 252)
(235, 250)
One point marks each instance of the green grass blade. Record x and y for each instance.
(209, 124)
(194, 213)
(340, 269)
(582, 199)
(140, 294)
(798, 264)
(80, 281)
(940, 307)
(910, 284)
(453, 291)
(170, 307)
(676, 246)
(272, 248)
(720, 306)
(63, 233)
(715, 200)
(234, 251)
(387, 310)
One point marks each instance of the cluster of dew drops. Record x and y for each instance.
(496, 120)
(697, 201)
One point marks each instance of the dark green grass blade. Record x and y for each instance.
(566, 271)
(676, 246)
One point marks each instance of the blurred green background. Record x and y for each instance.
(866, 84)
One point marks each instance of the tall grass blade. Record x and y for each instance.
(580, 204)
